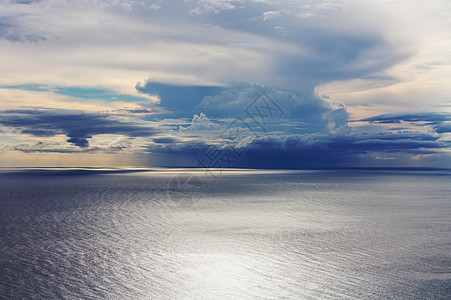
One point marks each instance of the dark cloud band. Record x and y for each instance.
(77, 126)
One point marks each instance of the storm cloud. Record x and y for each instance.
(304, 150)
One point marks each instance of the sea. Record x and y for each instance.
(225, 234)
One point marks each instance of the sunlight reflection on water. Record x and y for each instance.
(312, 234)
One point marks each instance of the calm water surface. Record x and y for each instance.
(248, 235)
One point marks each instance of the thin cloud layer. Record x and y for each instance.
(440, 122)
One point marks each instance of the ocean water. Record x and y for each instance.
(337, 234)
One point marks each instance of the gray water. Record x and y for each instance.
(246, 235)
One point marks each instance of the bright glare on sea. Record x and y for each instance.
(337, 234)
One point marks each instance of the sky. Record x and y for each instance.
(225, 83)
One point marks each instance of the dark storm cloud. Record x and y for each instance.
(77, 126)
(312, 150)
(352, 143)
(310, 132)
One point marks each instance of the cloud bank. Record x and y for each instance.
(77, 126)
